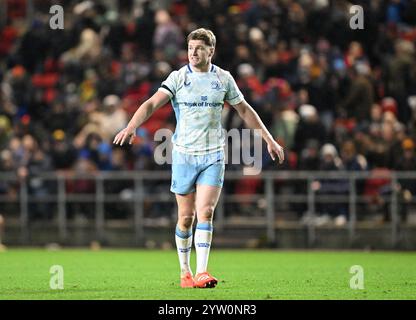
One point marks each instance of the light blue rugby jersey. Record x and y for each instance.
(198, 99)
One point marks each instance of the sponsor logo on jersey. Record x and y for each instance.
(215, 85)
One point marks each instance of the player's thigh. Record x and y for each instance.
(206, 200)
(186, 204)
(184, 174)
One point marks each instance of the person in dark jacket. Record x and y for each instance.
(360, 97)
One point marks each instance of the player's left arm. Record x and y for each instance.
(253, 121)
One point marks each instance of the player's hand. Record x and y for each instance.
(127, 133)
(275, 149)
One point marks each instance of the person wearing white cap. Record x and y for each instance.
(309, 127)
(332, 162)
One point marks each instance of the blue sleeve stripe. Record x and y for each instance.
(183, 234)
(207, 226)
(234, 97)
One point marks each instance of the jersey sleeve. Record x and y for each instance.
(169, 86)
(233, 95)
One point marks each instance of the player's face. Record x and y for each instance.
(199, 54)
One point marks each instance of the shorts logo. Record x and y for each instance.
(215, 85)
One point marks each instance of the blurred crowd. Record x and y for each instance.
(336, 98)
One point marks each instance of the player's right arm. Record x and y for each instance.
(143, 113)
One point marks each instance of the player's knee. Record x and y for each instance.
(206, 213)
(185, 222)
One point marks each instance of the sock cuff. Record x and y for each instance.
(183, 234)
(206, 226)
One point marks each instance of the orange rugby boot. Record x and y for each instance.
(205, 280)
(187, 281)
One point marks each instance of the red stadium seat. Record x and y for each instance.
(46, 80)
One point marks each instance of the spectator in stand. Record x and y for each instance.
(352, 161)
(310, 159)
(112, 118)
(406, 162)
(87, 52)
(6, 131)
(33, 162)
(401, 76)
(330, 161)
(143, 151)
(357, 104)
(63, 153)
(284, 125)
(58, 118)
(383, 141)
(81, 184)
(131, 71)
(309, 127)
(19, 83)
(168, 38)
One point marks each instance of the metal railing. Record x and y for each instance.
(270, 179)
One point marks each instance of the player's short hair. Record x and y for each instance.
(203, 34)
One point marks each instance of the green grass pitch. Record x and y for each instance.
(254, 274)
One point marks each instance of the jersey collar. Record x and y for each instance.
(211, 68)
